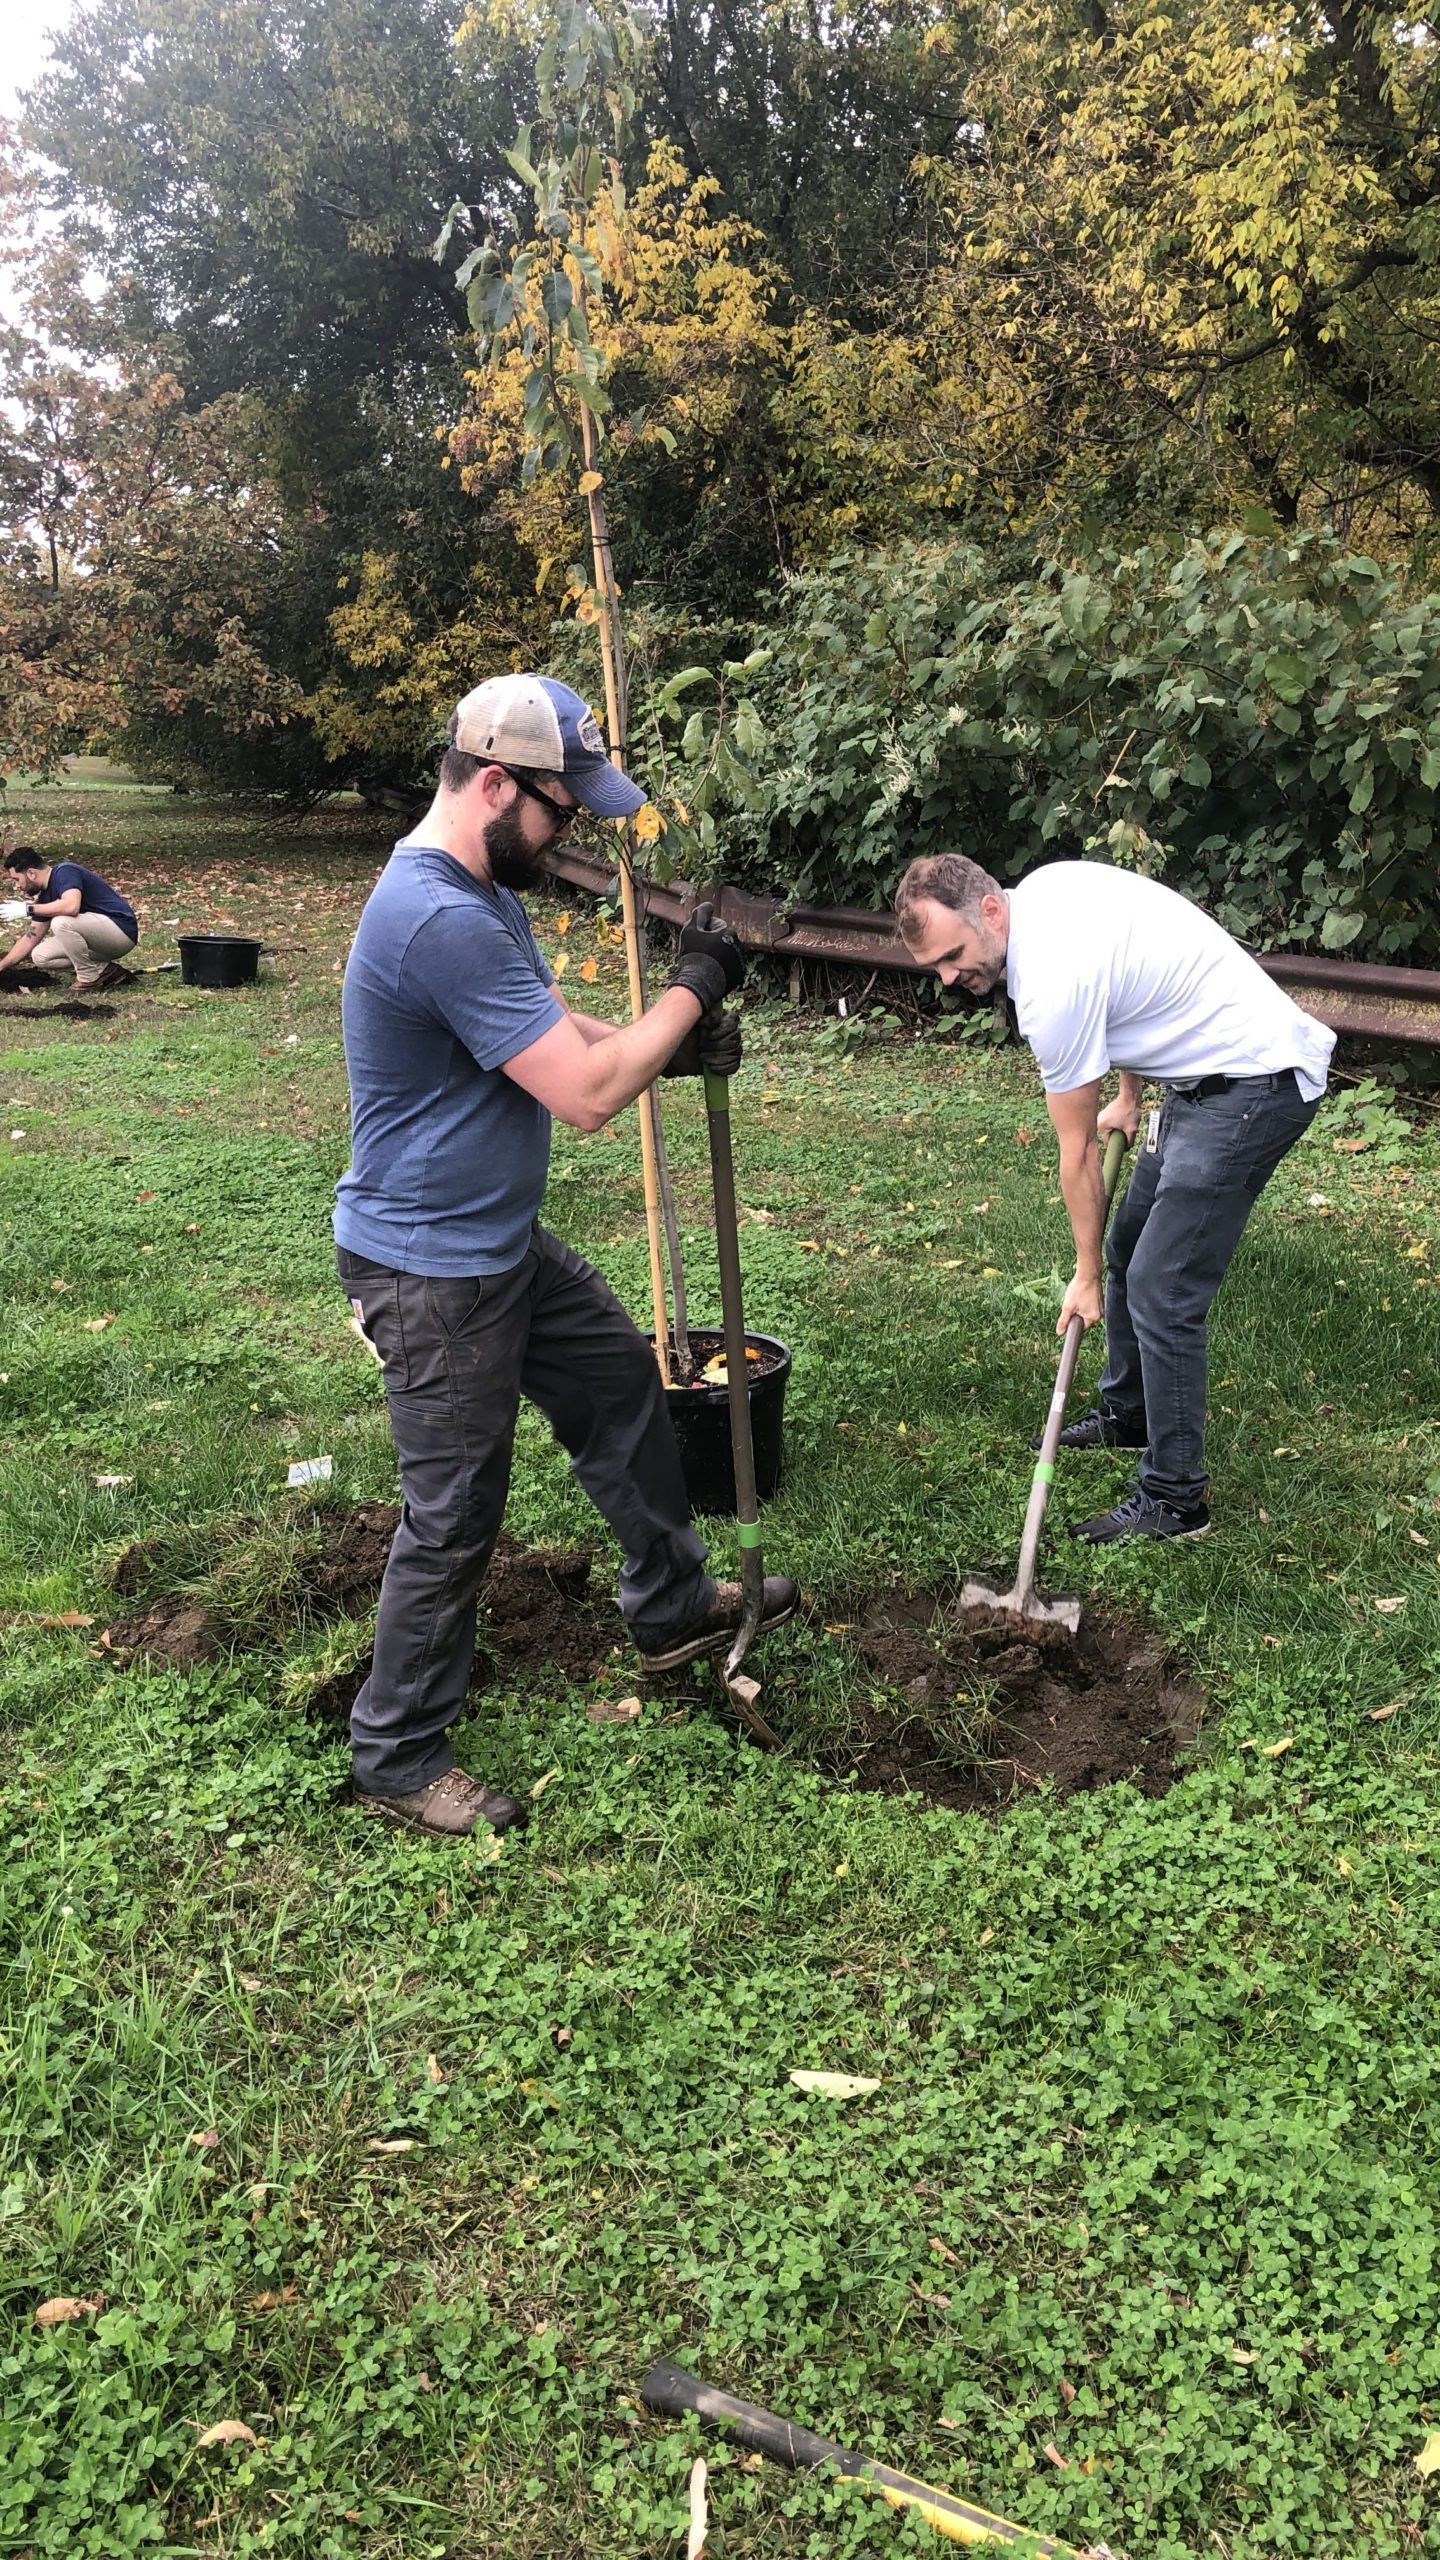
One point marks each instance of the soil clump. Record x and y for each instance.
(1111, 1704)
(173, 1634)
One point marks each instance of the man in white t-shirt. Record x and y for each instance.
(1106, 969)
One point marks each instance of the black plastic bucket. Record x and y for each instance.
(219, 959)
(701, 1417)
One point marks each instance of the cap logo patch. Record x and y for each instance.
(587, 730)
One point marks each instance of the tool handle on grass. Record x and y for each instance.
(669, 2390)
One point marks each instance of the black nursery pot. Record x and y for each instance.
(219, 959)
(701, 1417)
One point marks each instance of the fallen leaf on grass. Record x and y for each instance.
(613, 1710)
(402, 2145)
(542, 1783)
(67, 2306)
(942, 2249)
(1067, 2391)
(273, 2301)
(1051, 2455)
(1379, 1715)
(209, 2140)
(96, 1324)
(699, 2515)
(1272, 1750)
(1387, 1608)
(108, 1484)
(226, 2431)
(942, 2301)
(1428, 2457)
(1243, 2355)
(589, 971)
(44, 1618)
(432, 2066)
(833, 2084)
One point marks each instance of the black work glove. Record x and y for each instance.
(711, 963)
(714, 1045)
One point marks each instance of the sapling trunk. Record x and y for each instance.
(660, 1212)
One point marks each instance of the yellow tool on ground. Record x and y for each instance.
(668, 2389)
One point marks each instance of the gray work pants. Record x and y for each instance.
(458, 1355)
(1169, 1247)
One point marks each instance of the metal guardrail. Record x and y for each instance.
(1352, 996)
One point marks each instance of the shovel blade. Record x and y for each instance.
(1027, 1608)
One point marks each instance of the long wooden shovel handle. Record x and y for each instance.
(1044, 1475)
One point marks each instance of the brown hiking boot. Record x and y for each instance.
(109, 975)
(782, 1599)
(450, 1808)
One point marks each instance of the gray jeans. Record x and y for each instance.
(1170, 1246)
(458, 1355)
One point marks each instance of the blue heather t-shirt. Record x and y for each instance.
(97, 897)
(449, 1156)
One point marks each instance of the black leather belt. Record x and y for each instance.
(1222, 1084)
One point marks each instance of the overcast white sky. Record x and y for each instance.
(28, 24)
(23, 57)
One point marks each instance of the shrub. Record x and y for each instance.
(1257, 718)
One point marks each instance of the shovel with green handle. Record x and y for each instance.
(1022, 1602)
(741, 1691)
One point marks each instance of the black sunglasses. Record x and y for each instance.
(560, 816)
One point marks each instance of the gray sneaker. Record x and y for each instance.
(1137, 1516)
(450, 1808)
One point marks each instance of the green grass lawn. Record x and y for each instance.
(412, 2161)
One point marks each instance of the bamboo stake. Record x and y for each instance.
(612, 661)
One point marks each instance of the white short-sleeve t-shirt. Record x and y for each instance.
(1106, 969)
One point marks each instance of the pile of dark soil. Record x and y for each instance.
(538, 1613)
(1111, 1703)
(353, 1548)
(538, 1610)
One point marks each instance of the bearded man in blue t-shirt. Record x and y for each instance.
(460, 1051)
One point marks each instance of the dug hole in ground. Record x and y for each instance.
(960, 1716)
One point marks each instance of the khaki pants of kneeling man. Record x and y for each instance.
(83, 943)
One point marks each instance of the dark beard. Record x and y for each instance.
(514, 864)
